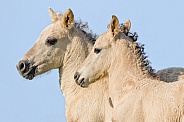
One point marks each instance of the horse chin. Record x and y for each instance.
(29, 77)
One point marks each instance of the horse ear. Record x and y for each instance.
(53, 15)
(126, 27)
(67, 19)
(114, 24)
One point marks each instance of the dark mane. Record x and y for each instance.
(141, 55)
(144, 62)
(83, 26)
(133, 36)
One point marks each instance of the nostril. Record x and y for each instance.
(82, 80)
(76, 76)
(22, 66)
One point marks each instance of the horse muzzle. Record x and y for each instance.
(26, 69)
(83, 82)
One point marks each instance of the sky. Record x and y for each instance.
(159, 24)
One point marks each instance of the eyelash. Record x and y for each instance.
(96, 50)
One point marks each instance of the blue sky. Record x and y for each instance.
(159, 24)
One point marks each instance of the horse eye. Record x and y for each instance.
(51, 41)
(96, 50)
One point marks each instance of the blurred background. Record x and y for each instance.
(159, 24)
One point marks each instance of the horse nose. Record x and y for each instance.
(76, 76)
(23, 67)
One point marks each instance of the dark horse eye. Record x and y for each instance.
(96, 50)
(51, 41)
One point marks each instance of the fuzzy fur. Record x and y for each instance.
(72, 47)
(135, 90)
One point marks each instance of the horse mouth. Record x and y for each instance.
(31, 73)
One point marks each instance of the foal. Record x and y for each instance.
(136, 92)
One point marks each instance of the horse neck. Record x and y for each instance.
(126, 71)
(76, 52)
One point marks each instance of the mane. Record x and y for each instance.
(144, 62)
(83, 26)
(138, 50)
